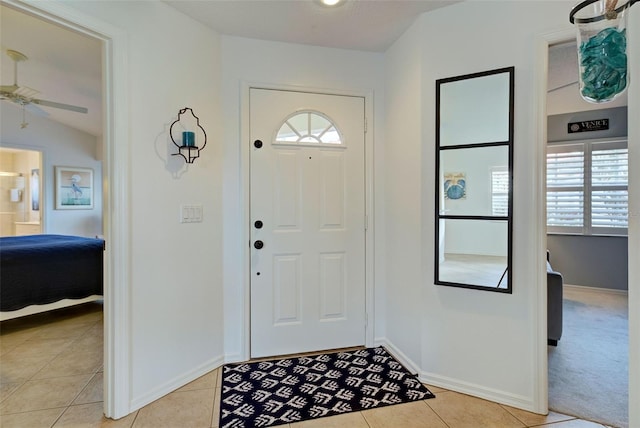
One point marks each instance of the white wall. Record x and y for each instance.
(176, 287)
(475, 341)
(248, 61)
(404, 194)
(61, 146)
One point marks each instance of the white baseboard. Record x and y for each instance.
(398, 355)
(490, 394)
(233, 358)
(175, 383)
(596, 289)
(457, 385)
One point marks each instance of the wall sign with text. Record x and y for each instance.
(588, 126)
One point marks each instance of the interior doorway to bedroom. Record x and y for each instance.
(64, 65)
(20, 197)
(587, 216)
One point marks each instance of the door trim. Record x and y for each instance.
(245, 189)
(116, 157)
(538, 305)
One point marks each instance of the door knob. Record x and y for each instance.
(257, 144)
(258, 245)
(258, 224)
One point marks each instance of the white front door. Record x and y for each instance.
(307, 222)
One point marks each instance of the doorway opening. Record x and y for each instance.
(20, 195)
(115, 158)
(587, 214)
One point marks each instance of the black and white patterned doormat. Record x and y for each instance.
(276, 392)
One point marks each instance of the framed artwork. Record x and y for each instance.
(74, 188)
(455, 185)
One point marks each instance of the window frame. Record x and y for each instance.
(587, 147)
(287, 121)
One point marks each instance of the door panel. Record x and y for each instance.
(287, 197)
(332, 204)
(286, 289)
(332, 286)
(308, 280)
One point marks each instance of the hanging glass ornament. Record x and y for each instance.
(602, 48)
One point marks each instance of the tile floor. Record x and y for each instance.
(51, 376)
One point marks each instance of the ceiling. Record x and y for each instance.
(64, 66)
(563, 66)
(366, 25)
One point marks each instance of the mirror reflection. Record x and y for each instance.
(474, 165)
(475, 181)
(475, 110)
(481, 261)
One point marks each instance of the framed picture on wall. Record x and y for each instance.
(74, 188)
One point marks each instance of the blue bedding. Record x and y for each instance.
(41, 269)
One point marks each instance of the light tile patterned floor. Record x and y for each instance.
(51, 376)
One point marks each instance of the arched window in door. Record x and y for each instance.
(309, 127)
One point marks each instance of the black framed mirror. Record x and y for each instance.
(474, 180)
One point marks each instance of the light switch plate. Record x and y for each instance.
(190, 213)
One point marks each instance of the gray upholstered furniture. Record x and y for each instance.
(554, 304)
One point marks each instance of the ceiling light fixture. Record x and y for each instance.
(331, 3)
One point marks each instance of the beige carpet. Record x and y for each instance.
(589, 369)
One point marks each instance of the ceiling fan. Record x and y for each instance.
(25, 96)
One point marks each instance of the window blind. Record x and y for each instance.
(587, 188)
(499, 191)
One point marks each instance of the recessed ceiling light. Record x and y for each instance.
(331, 3)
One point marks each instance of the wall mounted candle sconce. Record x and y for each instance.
(602, 48)
(188, 147)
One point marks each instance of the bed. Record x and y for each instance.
(41, 272)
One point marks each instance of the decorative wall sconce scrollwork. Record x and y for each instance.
(188, 146)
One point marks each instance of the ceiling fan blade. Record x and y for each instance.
(31, 108)
(35, 110)
(60, 105)
(26, 92)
